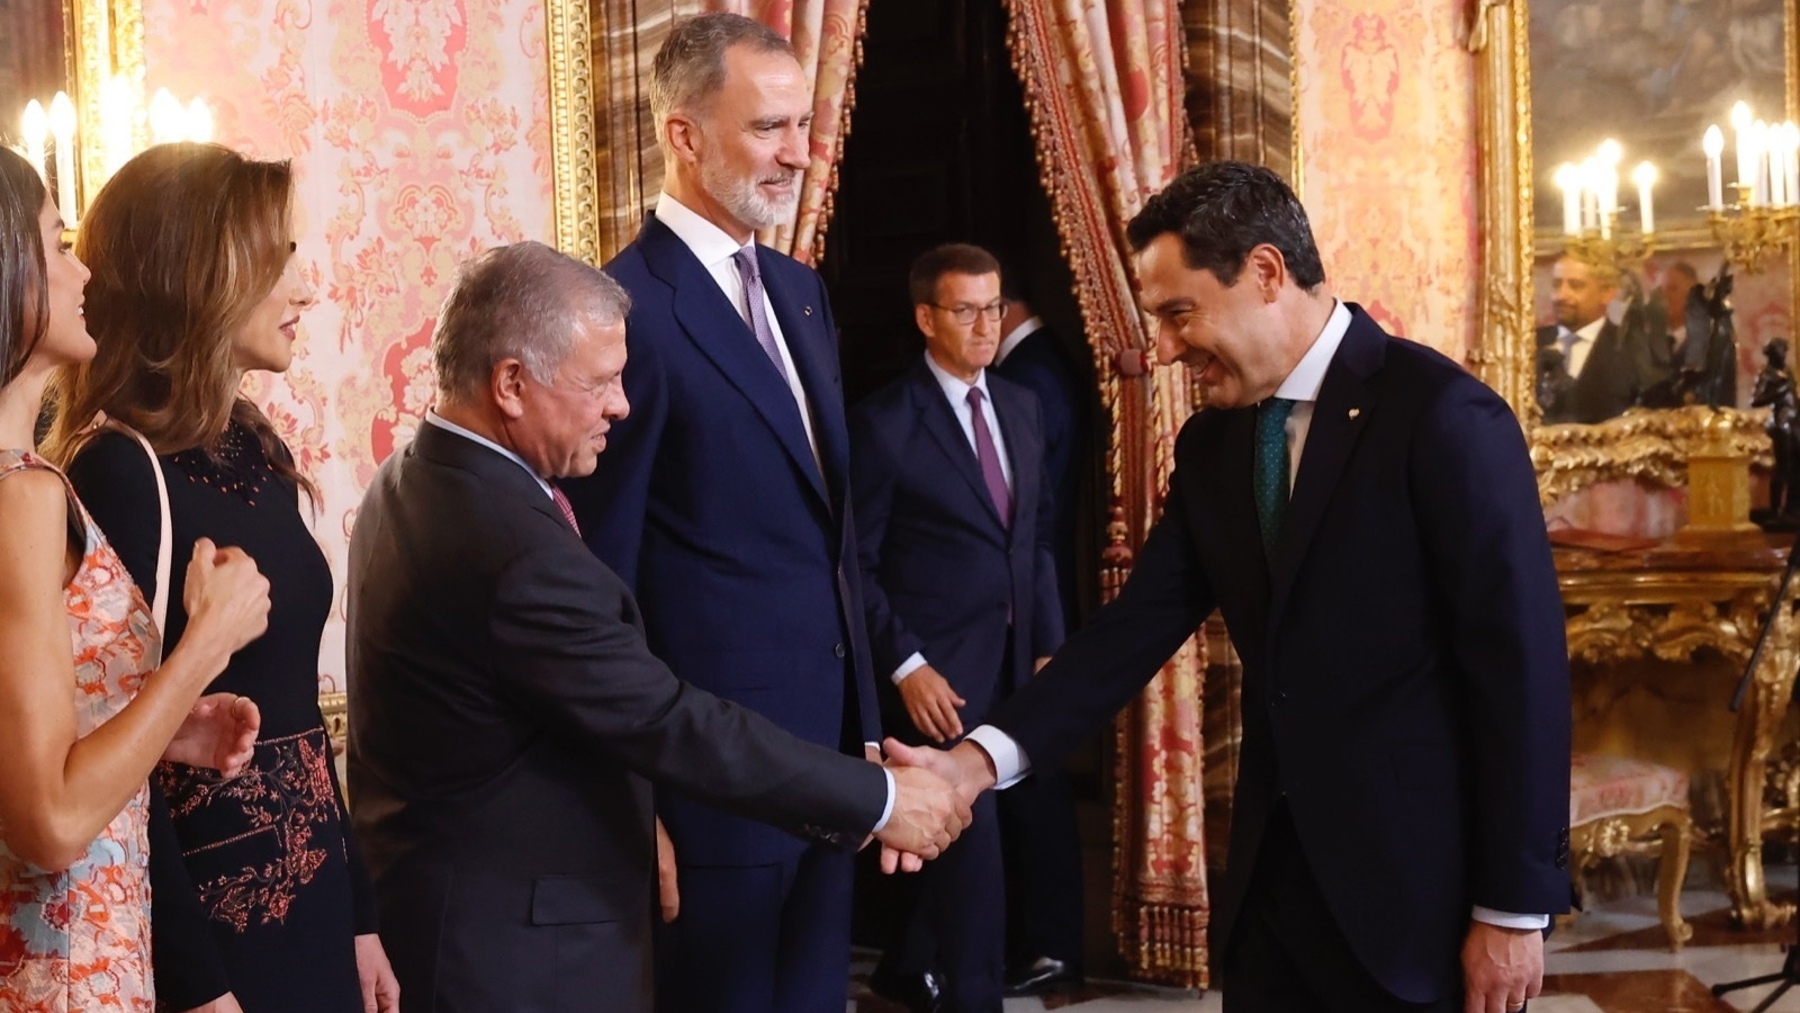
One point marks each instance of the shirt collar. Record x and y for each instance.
(1016, 335)
(711, 244)
(434, 419)
(954, 387)
(1590, 331)
(1309, 375)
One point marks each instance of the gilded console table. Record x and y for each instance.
(1674, 599)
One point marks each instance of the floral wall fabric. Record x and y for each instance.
(1387, 167)
(419, 132)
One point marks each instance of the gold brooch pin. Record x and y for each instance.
(1354, 412)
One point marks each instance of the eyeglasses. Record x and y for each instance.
(965, 314)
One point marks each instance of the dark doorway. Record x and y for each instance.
(940, 150)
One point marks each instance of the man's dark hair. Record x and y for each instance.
(1222, 210)
(950, 258)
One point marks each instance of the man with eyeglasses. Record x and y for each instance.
(954, 525)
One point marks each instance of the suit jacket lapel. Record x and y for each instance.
(802, 324)
(717, 328)
(1023, 451)
(1234, 504)
(1339, 417)
(939, 419)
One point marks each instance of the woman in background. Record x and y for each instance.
(268, 908)
(81, 728)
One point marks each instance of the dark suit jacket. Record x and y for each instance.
(710, 504)
(941, 574)
(1405, 683)
(1609, 382)
(504, 714)
(1039, 363)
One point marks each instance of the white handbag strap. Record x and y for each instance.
(159, 609)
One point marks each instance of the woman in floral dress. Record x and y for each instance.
(85, 711)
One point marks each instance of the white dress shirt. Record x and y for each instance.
(957, 390)
(1584, 343)
(1302, 386)
(715, 250)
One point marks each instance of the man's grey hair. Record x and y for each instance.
(690, 67)
(523, 302)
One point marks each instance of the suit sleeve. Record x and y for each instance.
(574, 657)
(1483, 533)
(613, 502)
(1124, 646)
(1046, 604)
(873, 475)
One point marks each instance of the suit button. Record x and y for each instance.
(838, 650)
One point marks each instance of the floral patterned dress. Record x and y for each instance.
(79, 940)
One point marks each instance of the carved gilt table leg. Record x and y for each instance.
(1771, 689)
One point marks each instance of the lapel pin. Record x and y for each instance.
(1354, 412)
(806, 310)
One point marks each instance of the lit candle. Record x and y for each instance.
(1759, 162)
(1776, 162)
(1790, 134)
(167, 118)
(62, 127)
(118, 109)
(1645, 176)
(199, 122)
(1567, 179)
(35, 127)
(1714, 144)
(1740, 128)
(1590, 193)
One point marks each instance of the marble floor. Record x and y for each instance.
(1613, 958)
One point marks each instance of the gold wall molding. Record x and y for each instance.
(570, 54)
(107, 38)
(1568, 457)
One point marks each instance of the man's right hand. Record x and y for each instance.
(931, 704)
(928, 814)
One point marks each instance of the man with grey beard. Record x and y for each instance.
(725, 505)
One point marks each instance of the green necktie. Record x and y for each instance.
(1269, 474)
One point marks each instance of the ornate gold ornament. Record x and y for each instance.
(1652, 445)
(1672, 613)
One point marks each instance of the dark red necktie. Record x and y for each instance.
(562, 503)
(988, 456)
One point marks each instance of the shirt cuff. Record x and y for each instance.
(908, 667)
(1508, 920)
(887, 811)
(1010, 762)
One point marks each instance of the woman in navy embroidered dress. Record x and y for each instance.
(260, 902)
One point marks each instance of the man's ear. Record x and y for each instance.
(506, 385)
(922, 316)
(681, 135)
(1268, 269)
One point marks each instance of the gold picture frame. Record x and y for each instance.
(107, 37)
(1648, 445)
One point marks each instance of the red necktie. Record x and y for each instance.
(568, 512)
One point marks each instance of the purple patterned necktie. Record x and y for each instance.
(756, 316)
(991, 475)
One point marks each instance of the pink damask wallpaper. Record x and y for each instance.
(1386, 110)
(419, 131)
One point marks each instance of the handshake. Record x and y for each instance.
(933, 792)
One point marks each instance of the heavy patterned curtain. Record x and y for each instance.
(827, 39)
(1103, 81)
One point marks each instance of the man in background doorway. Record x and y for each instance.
(953, 530)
